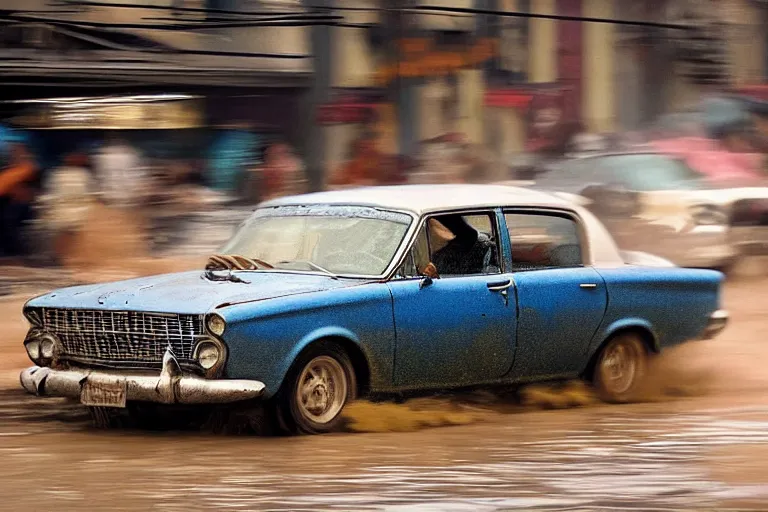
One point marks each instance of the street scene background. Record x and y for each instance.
(135, 135)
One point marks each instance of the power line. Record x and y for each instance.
(555, 17)
(181, 26)
(437, 10)
(203, 10)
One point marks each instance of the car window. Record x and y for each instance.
(417, 258)
(339, 239)
(457, 244)
(541, 241)
(644, 173)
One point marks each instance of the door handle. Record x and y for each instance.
(587, 285)
(499, 286)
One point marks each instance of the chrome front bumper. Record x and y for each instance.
(171, 386)
(717, 322)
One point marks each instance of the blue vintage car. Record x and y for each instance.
(322, 298)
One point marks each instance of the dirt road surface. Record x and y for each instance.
(699, 442)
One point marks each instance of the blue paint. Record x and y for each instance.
(186, 292)
(452, 332)
(264, 338)
(455, 330)
(558, 319)
(672, 303)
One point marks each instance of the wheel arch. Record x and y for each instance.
(641, 329)
(348, 342)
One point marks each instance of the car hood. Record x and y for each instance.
(187, 292)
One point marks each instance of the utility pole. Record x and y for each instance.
(317, 95)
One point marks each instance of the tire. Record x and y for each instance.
(620, 368)
(318, 386)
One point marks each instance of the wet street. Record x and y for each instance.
(699, 442)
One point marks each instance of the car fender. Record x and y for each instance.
(330, 331)
(607, 332)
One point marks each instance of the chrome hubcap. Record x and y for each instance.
(619, 368)
(322, 389)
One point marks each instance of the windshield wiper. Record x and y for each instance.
(313, 266)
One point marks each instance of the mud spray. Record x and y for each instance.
(665, 381)
(113, 246)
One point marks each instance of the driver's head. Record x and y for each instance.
(463, 232)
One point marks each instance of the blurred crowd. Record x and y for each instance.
(42, 210)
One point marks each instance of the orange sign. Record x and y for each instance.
(419, 59)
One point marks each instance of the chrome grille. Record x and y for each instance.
(123, 336)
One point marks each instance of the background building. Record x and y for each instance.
(231, 65)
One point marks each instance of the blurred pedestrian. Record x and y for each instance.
(119, 171)
(17, 192)
(448, 158)
(231, 154)
(281, 173)
(67, 202)
(365, 166)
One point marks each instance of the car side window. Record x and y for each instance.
(543, 240)
(417, 258)
(456, 244)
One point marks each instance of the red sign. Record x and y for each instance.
(759, 92)
(349, 110)
(508, 98)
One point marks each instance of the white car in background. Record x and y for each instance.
(654, 203)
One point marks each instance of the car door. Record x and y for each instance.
(454, 329)
(560, 300)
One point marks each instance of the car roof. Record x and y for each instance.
(424, 199)
(421, 199)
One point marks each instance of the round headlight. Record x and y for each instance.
(33, 350)
(216, 325)
(47, 347)
(208, 355)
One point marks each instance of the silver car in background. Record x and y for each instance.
(650, 203)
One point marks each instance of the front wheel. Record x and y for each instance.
(321, 382)
(620, 368)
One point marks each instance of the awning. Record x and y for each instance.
(76, 58)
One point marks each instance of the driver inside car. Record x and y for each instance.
(467, 252)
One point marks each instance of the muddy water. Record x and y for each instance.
(637, 457)
(699, 442)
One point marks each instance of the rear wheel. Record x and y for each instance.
(320, 384)
(620, 368)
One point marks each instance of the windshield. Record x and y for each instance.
(651, 172)
(328, 239)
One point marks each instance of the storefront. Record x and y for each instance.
(177, 95)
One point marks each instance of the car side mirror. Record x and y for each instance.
(430, 271)
(429, 274)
